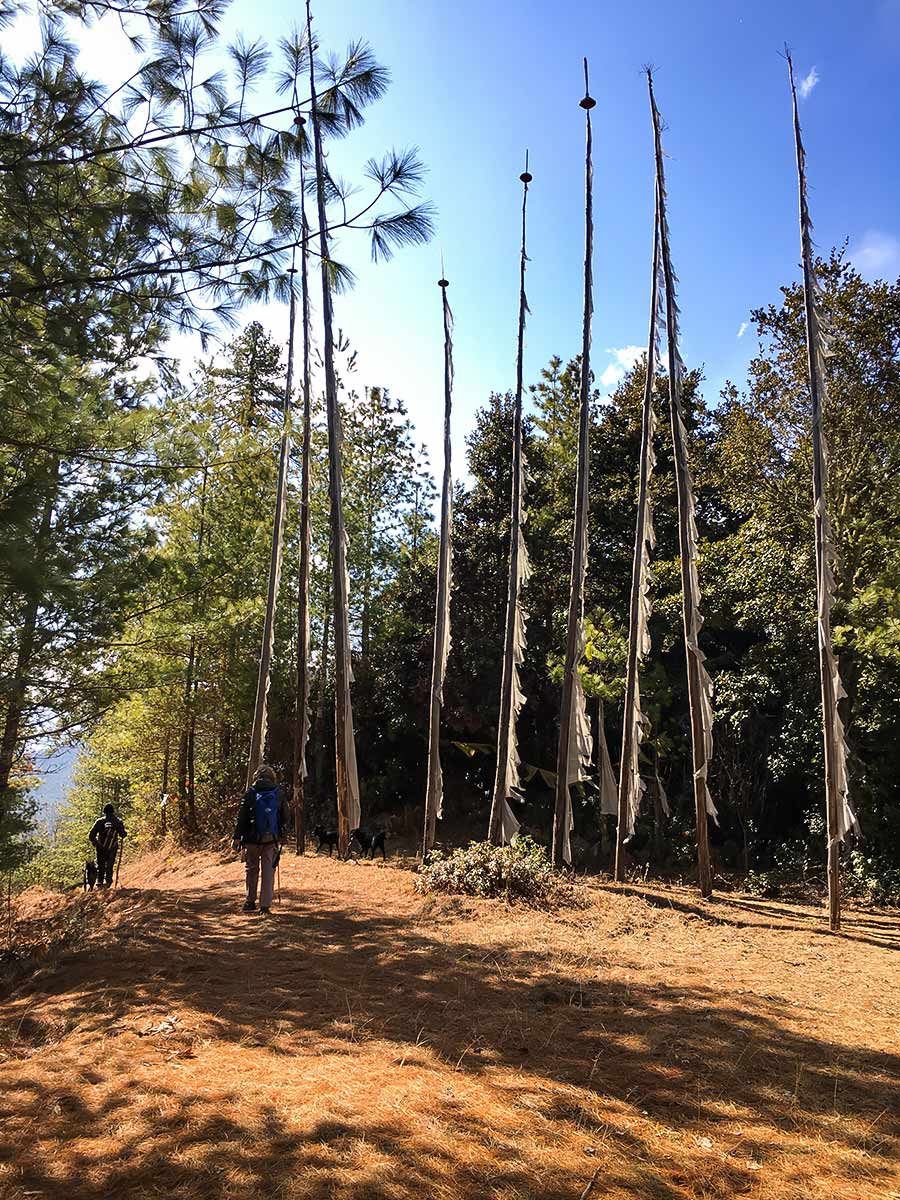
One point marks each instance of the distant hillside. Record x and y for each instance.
(56, 769)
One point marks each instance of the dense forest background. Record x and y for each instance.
(167, 575)
(137, 507)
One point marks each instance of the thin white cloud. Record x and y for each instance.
(623, 359)
(876, 255)
(808, 83)
(745, 325)
(627, 356)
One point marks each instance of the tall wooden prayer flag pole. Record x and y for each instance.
(699, 683)
(434, 792)
(634, 723)
(840, 816)
(573, 760)
(503, 823)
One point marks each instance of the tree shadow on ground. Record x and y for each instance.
(187, 1147)
(725, 909)
(552, 1067)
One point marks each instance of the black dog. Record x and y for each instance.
(325, 837)
(89, 879)
(368, 841)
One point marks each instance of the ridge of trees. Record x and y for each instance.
(163, 202)
(136, 508)
(751, 450)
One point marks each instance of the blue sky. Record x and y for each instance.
(474, 84)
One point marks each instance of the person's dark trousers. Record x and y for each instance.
(261, 856)
(106, 860)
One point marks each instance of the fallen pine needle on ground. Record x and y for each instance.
(369, 1042)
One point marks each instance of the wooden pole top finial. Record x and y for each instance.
(588, 102)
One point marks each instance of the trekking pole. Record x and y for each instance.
(119, 860)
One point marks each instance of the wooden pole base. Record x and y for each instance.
(834, 887)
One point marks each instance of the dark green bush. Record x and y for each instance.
(872, 879)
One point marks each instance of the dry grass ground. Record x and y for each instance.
(368, 1043)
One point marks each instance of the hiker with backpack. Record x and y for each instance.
(261, 822)
(106, 834)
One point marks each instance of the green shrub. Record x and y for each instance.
(872, 879)
(765, 884)
(520, 871)
(796, 869)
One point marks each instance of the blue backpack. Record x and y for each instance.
(265, 810)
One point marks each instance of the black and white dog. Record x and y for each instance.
(325, 837)
(368, 840)
(89, 878)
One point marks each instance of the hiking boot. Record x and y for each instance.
(250, 906)
(264, 912)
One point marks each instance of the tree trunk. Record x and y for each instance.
(260, 712)
(184, 755)
(187, 813)
(226, 729)
(370, 534)
(191, 796)
(301, 730)
(415, 539)
(345, 746)
(16, 703)
(319, 714)
(164, 790)
(435, 785)
(18, 690)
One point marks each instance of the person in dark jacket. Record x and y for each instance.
(259, 831)
(106, 833)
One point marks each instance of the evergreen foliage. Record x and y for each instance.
(136, 507)
(161, 202)
(751, 453)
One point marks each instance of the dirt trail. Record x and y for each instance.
(367, 1043)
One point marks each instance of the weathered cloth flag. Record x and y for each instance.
(841, 818)
(574, 755)
(636, 724)
(699, 682)
(503, 824)
(607, 777)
